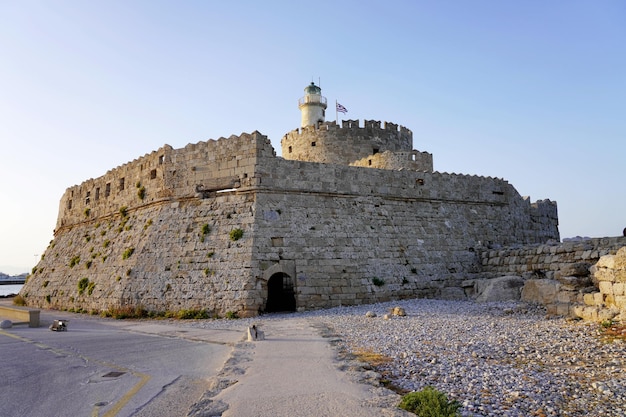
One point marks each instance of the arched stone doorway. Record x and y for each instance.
(280, 293)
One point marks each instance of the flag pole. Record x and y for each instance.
(336, 113)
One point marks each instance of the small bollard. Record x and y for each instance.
(255, 334)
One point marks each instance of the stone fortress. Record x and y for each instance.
(350, 214)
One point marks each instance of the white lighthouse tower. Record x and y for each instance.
(312, 105)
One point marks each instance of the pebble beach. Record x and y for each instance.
(495, 359)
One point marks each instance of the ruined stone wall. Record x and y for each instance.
(547, 259)
(332, 144)
(559, 276)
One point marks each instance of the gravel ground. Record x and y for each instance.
(496, 359)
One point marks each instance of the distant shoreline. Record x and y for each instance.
(12, 281)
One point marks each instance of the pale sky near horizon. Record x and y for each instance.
(533, 92)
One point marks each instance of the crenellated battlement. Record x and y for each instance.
(353, 128)
(165, 174)
(330, 143)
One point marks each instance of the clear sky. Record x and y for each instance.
(530, 91)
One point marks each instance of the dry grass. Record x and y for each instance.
(614, 331)
(371, 357)
(378, 361)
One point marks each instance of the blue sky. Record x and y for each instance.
(533, 92)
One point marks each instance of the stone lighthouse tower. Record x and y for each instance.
(312, 105)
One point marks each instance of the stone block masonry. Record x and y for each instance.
(156, 233)
(576, 278)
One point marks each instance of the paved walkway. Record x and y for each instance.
(293, 372)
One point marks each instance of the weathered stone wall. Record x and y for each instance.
(342, 228)
(560, 275)
(609, 302)
(164, 174)
(329, 143)
(546, 260)
(346, 235)
(413, 160)
(173, 265)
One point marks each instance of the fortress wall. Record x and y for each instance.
(117, 188)
(342, 227)
(174, 265)
(545, 219)
(337, 229)
(413, 160)
(170, 266)
(331, 144)
(165, 174)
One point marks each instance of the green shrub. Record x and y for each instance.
(429, 402)
(141, 192)
(124, 211)
(74, 261)
(106, 243)
(45, 284)
(48, 298)
(378, 282)
(87, 211)
(236, 234)
(83, 283)
(127, 253)
(90, 288)
(231, 315)
(192, 314)
(126, 312)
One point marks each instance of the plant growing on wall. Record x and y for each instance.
(124, 211)
(236, 234)
(87, 211)
(378, 281)
(83, 283)
(74, 261)
(204, 230)
(141, 192)
(128, 252)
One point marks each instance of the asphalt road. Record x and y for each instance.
(108, 368)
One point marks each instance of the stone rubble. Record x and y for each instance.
(496, 359)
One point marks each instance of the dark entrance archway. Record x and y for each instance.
(280, 293)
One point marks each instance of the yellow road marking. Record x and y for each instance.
(117, 407)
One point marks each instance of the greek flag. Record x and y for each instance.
(341, 109)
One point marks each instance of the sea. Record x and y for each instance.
(10, 289)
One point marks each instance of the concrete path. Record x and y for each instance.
(293, 372)
(170, 369)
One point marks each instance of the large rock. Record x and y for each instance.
(505, 288)
(541, 291)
